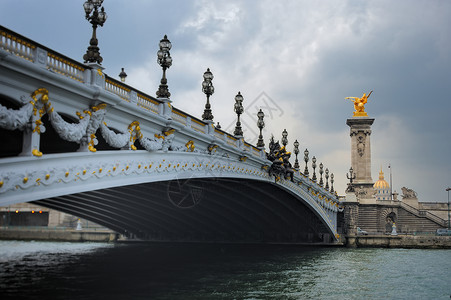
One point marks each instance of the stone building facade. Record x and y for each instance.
(32, 215)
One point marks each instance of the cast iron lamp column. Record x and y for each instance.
(239, 109)
(164, 59)
(332, 183)
(97, 18)
(284, 137)
(314, 167)
(306, 161)
(261, 125)
(351, 177)
(321, 182)
(296, 152)
(122, 75)
(208, 89)
(327, 179)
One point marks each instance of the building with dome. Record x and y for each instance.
(382, 188)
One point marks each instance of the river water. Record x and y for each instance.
(50, 270)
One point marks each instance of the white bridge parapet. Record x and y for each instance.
(177, 145)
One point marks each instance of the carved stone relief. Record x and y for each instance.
(361, 144)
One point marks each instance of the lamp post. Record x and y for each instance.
(239, 109)
(261, 125)
(391, 187)
(327, 179)
(296, 152)
(351, 177)
(321, 171)
(96, 18)
(332, 183)
(284, 137)
(314, 167)
(306, 161)
(164, 59)
(208, 89)
(448, 189)
(122, 75)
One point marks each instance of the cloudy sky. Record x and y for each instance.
(297, 60)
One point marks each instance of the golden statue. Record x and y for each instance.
(359, 105)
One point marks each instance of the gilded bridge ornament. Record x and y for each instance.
(359, 104)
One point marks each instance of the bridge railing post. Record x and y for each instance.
(95, 76)
(240, 143)
(133, 97)
(40, 57)
(210, 127)
(188, 122)
(165, 108)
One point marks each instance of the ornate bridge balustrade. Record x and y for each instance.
(63, 123)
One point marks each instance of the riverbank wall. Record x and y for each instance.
(398, 241)
(352, 241)
(58, 235)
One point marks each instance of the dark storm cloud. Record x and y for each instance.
(307, 56)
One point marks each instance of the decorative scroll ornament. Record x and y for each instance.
(212, 148)
(39, 107)
(133, 130)
(190, 146)
(97, 116)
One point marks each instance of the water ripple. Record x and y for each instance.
(174, 271)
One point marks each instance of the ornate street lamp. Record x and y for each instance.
(261, 125)
(208, 89)
(321, 182)
(164, 59)
(284, 137)
(332, 183)
(122, 75)
(314, 167)
(351, 177)
(306, 161)
(296, 152)
(239, 109)
(327, 179)
(97, 18)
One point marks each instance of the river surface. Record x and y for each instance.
(50, 270)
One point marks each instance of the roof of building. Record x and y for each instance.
(381, 183)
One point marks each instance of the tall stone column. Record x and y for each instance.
(360, 132)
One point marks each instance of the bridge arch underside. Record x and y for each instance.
(199, 210)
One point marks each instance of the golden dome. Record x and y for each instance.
(381, 183)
